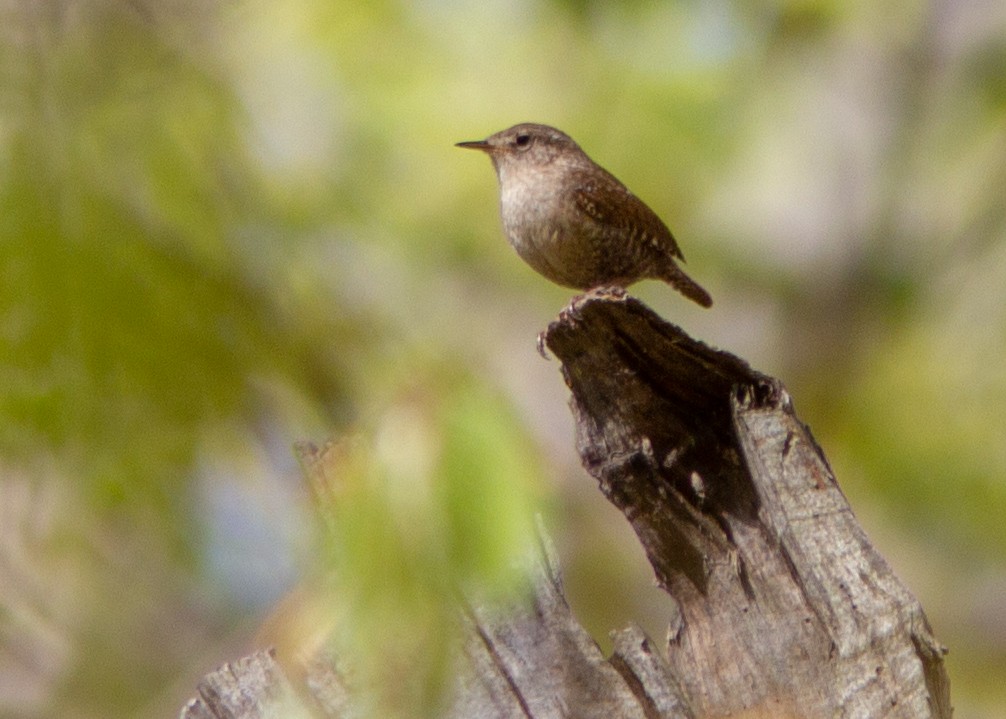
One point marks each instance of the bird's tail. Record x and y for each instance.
(676, 278)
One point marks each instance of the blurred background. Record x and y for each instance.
(226, 227)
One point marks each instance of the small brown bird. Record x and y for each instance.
(572, 221)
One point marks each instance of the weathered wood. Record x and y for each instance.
(785, 606)
(253, 687)
(531, 661)
(539, 662)
(785, 609)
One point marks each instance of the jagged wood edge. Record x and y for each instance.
(530, 659)
(785, 606)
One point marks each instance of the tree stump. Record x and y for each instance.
(785, 608)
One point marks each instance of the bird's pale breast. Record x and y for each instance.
(534, 213)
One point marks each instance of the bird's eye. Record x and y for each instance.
(522, 140)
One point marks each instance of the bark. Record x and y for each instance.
(785, 608)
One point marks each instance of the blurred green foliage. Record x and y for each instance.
(226, 227)
(432, 499)
(134, 314)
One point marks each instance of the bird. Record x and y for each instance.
(573, 221)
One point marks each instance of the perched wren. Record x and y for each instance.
(572, 221)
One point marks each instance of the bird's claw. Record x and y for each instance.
(542, 350)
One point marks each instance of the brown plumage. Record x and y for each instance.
(573, 221)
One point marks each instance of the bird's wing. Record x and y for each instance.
(615, 209)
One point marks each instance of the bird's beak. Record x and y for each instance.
(475, 145)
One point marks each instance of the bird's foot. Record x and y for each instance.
(569, 313)
(601, 292)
